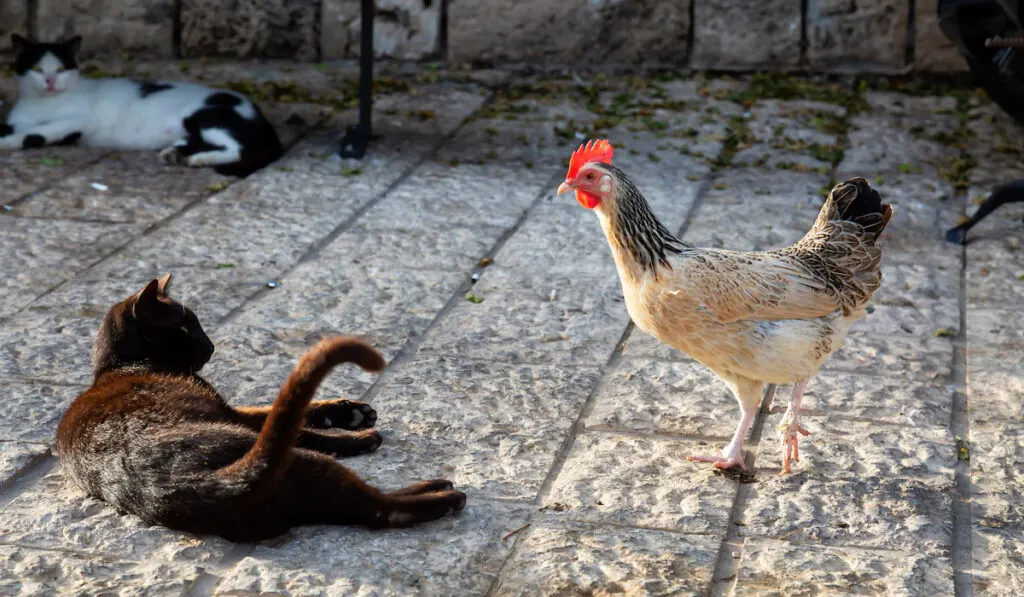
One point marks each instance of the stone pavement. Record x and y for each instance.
(529, 388)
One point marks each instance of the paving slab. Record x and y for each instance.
(680, 397)
(34, 409)
(884, 398)
(779, 568)
(641, 481)
(580, 559)
(25, 172)
(996, 455)
(841, 448)
(812, 506)
(512, 317)
(995, 380)
(53, 515)
(16, 456)
(34, 572)
(258, 349)
(455, 556)
(42, 253)
(995, 260)
(127, 187)
(493, 428)
(787, 204)
(884, 144)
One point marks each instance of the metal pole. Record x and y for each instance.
(366, 71)
(357, 137)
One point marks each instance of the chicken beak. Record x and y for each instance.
(565, 186)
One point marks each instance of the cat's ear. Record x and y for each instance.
(164, 285)
(74, 44)
(18, 43)
(144, 300)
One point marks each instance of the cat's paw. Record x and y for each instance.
(362, 442)
(172, 155)
(432, 486)
(341, 414)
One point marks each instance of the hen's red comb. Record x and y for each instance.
(596, 150)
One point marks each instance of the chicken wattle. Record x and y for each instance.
(751, 317)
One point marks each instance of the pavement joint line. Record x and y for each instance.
(730, 553)
(657, 434)
(961, 548)
(145, 231)
(77, 220)
(727, 564)
(839, 545)
(618, 525)
(28, 476)
(577, 428)
(411, 347)
(86, 555)
(314, 251)
(49, 186)
(26, 442)
(39, 381)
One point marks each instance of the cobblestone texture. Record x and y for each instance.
(514, 371)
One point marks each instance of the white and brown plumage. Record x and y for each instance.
(752, 318)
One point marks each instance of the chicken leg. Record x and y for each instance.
(748, 394)
(790, 426)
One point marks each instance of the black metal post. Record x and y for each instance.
(357, 137)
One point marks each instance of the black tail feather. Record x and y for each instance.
(857, 202)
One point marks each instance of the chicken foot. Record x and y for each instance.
(748, 394)
(732, 454)
(790, 427)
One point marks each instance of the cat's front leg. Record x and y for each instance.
(57, 132)
(340, 443)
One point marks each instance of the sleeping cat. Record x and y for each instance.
(154, 439)
(191, 124)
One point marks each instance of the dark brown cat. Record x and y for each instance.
(154, 439)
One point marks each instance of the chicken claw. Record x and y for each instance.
(721, 462)
(790, 444)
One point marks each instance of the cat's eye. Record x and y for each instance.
(60, 69)
(185, 330)
(37, 68)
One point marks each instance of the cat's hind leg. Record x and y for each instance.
(173, 154)
(202, 147)
(432, 486)
(340, 443)
(318, 490)
(340, 414)
(405, 510)
(322, 414)
(219, 147)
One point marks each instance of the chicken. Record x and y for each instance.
(753, 318)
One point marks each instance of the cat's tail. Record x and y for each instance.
(266, 462)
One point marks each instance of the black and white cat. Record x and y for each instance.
(190, 124)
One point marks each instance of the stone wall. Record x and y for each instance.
(890, 36)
